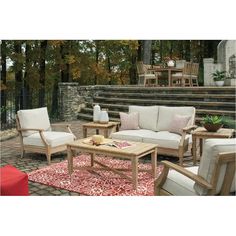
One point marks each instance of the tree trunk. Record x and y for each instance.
(161, 50)
(54, 110)
(97, 60)
(18, 77)
(133, 69)
(187, 50)
(3, 82)
(65, 70)
(147, 50)
(109, 67)
(42, 73)
(27, 92)
(139, 51)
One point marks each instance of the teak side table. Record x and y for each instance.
(113, 126)
(201, 133)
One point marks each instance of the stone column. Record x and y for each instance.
(209, 68)
(73, 97)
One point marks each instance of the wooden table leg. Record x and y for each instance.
(106, 133)
(200, 143)
(194, 148)
(134, 163)
(169, 78)
(92, 158)
(70, 160)
(154, 162)
(84, 132)
(97, 131)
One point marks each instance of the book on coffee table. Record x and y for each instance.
(119, 144)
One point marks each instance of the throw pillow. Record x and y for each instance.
(178, 123)
(129, 121)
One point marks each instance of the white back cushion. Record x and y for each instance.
(211, 150)
(166, 115)
(148, 116)
(34, 119)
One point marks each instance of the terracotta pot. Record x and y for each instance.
(212, 127)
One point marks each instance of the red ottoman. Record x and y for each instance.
(13, 182)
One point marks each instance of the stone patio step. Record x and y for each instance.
(182, 96)
(172, 90)
(197, 104)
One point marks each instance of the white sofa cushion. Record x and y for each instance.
(211, 150)
(54, 139)
(131, 135)
(180, 185)
(166, 115)
(34, 119)
(164, 139)
(148, 116)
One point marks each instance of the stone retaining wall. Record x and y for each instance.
(73, 97)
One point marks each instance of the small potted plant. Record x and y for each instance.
(219, 77)
(212, 123)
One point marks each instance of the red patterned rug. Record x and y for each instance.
(99, 183)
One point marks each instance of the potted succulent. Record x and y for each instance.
(219, 77)
(212, 123)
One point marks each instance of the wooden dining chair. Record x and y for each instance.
(183, 78)
(194, 74)
(147, 76)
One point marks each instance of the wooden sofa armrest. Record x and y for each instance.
(198, 179)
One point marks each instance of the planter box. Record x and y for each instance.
(230, 82)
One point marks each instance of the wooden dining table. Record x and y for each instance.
(169, 70)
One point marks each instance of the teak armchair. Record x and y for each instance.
(214, 176)
(36, 133)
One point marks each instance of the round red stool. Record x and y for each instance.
(13, 182)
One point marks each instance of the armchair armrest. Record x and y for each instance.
(39, 130)
(40, 133)
(66, 125)
(198, 179)
(189, 128)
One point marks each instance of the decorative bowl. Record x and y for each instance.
(212, 127)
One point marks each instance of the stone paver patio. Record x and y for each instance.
(10, 154)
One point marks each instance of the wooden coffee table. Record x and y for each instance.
(99, 126)
(201, 133)
(132, 153)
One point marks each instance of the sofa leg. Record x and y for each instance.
(22, 153)
(48, 158)
(181, 157)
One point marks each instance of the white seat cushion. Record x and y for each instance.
(211, 150)
(34, 119)
(166, 115)
(54, 139)
(164, 139)
(131, 135)
(148, 116)
(149, 76)
(180, 185)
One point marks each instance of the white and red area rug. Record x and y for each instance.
(99, 183)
